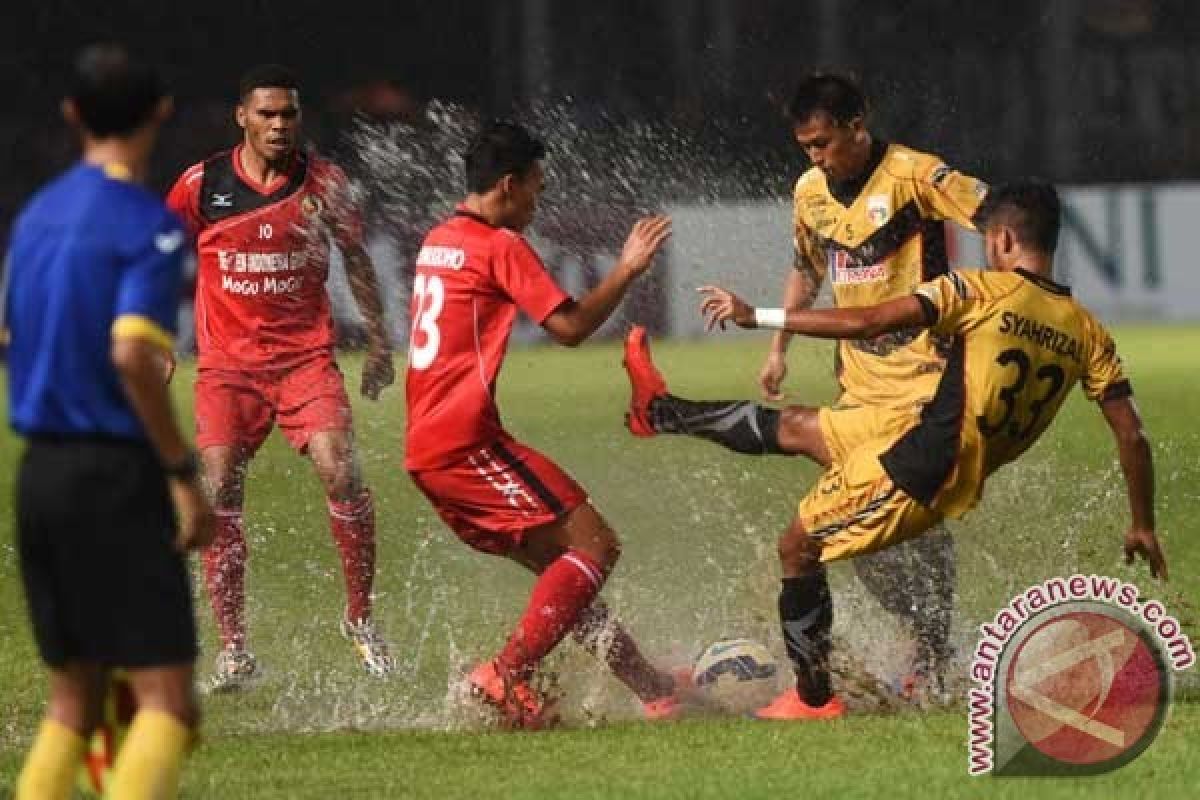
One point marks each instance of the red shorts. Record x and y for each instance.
(236, 407)
(497, 493)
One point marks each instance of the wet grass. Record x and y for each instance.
(699, 528)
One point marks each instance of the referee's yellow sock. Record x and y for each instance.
(151, 758)
(52, 763)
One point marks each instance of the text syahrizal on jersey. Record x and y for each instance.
(263, 258)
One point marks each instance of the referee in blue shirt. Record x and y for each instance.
(108, 499)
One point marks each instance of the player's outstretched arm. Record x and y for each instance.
(378, 371)
(573, 322)
(1137, 464)
(721, 305)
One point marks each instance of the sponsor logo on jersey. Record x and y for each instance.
(222, 200)
(441, 257)
(846, 270)
(236, 261)
(271, 284)
(879, 208)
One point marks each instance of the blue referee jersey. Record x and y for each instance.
(92, 257)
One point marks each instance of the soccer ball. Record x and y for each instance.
(119, 708)
(736, 675)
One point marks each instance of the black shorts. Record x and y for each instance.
(95, 534)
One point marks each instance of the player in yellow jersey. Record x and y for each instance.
(869, 215)
(1018, 342)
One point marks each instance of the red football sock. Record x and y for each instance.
(599, 632)
(353, 527)
(563, 590)
(225, 577)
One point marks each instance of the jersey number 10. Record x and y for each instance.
(429, 295)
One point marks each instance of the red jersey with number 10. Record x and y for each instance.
(470, 280)
(263, 257)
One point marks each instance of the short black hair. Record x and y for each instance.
(114, 93)
(839, 96)
(500, 148)
(1031, 207)
(267, 76)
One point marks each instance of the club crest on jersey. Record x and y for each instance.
(845, 269)
(311, 204)
(879, 208)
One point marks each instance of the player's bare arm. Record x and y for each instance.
(1137, 465)
(139, 363)
(903, 313)
(576, 320)
(799, 292)
(378, 371)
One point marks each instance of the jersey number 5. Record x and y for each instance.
(429, 295)
(1051, 375)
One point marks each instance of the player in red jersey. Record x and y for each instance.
(263, 215)
(473, 273)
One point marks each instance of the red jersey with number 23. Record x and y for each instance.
(263, 257)
(470, 280)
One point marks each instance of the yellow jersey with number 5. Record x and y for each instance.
(1020, 343)
(877, 238)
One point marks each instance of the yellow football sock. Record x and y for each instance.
(151, 758)
(50, 767)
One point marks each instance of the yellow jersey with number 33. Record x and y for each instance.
(877, 239)
(1020, 343)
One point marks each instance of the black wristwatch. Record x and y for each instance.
(185, 469)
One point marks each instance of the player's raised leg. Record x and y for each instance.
(738, 425)
(352, 524)
(225, 565)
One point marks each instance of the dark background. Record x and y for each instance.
(1080, 91)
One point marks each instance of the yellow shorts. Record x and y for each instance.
(847, 428)
(855, 508)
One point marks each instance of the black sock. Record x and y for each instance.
(806, 613)
(741, 426)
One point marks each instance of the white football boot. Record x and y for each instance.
(235, 668)
(370, 646)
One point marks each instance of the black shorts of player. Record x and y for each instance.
(95, 534)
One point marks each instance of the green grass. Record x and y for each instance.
(699, 527)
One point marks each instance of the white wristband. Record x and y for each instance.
(774, 318)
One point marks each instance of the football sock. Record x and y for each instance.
(151, 758)
(53, 760)
(806, 613)
(225, 578)
(353, 527)
(599, 632)
(561, 593)
(741, 426)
